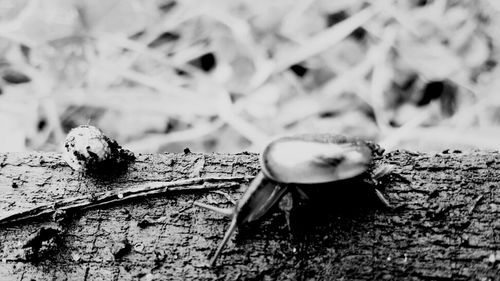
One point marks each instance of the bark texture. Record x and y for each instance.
(448, 228)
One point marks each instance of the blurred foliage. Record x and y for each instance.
(228, 75)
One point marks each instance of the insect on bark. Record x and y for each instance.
(291, 162)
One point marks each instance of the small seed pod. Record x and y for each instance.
(290, 162)
(88, 149)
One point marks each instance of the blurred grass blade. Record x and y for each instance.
(337, 85)
(30, 7)
(393, 140)
(152, 143)
(381, 78)
(140, 102)
(146, 80)
(325, 39)
(243, 127)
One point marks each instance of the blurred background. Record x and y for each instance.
(228, 75)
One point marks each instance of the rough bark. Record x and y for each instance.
(448, 228)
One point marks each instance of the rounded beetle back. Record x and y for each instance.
(315, 158)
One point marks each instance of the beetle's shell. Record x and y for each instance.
(316, 158)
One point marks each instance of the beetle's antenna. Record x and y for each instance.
(224, 211)
(229, 232)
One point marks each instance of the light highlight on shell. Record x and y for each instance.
(310, 161)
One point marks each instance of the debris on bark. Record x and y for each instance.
(89, 150)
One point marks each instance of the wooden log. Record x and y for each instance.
(448, 229)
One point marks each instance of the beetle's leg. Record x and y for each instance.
(290, 205)
(286, 205)
(224, 211)
(229, 232)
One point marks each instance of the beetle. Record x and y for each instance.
(296, 162)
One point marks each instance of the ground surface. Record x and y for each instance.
(448, 229)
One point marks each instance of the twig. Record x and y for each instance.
(113, 197)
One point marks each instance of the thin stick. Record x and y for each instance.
(113, 197)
